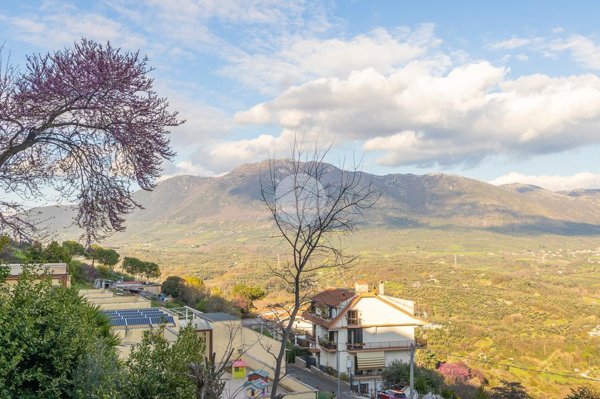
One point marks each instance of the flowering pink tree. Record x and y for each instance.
(85, 123)
(455, 372)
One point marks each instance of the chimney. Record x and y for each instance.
(381, 290)
(361, 287)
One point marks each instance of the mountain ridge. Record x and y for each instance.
(429, 200)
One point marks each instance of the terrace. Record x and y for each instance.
(404, 344)
(327, 344)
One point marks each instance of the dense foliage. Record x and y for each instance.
(243, 296)
(106, 256)
(55, 345)
(584, 392)
(157, 368)
(191, 291)
(47, 335)
(138, 267)
(426, 380)
(509, 390)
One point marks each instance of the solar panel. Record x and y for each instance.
(138, 321)
(159, 319)
(138, 317)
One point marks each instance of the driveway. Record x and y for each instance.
(320, 382)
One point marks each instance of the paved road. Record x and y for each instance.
(319, 381)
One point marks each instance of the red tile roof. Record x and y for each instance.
(333, 296)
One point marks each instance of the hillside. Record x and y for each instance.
(510, 273)
(433, 200)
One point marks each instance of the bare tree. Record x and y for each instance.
(312, 204)
(208, 376)
(86, 124)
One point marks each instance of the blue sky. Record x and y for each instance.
(498, 91)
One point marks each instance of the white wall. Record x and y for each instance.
(373, 311)
(386, 334)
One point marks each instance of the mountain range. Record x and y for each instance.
(185, 203)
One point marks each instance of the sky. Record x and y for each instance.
(497, 91)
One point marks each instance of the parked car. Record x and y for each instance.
(392, 394)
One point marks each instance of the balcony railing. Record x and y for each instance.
(403, 344)
(327, 344)
(353, 321)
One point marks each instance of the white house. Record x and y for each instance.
(362, 331)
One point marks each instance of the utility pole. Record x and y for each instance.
(337, 362)
(412, 371)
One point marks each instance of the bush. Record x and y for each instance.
(584, 392)
(296, 351)
(157, 368)
(426, 380)
(47, 335)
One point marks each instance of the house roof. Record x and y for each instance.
(256, 384)
(328, 323)
(15, 269)
(333, 296)
(262, 373)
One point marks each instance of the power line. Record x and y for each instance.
(573, 376)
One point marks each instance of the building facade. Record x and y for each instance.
(361, 331)
(58, 273)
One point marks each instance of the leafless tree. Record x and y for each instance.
(84, 123)
(312, 204)
(208, 376)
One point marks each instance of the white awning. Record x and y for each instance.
(370, 360)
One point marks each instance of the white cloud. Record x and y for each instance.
(198, 25)
(204, 122)
(417, 115)
(185, 167)
(552, 182)
(522, 57)
(583, 50)
(299, 59)
(510, 44)
(64, 26)
(225, 155)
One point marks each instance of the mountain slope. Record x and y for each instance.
(433, 200)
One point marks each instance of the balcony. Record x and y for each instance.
(307, 342)
(381, 346)
(327, 344)
(353, 321)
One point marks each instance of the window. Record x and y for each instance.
(356, 336)
(353, 319)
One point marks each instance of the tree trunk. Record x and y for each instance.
(284, 340)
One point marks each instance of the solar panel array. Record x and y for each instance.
(138, 317)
